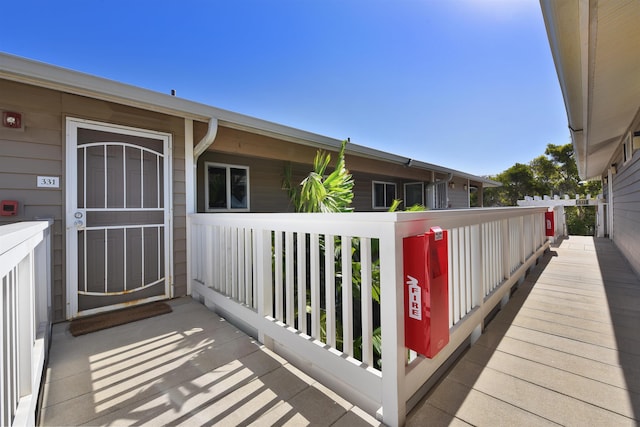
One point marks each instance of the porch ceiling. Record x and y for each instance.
(595, 46)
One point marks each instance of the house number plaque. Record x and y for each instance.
(49, 181)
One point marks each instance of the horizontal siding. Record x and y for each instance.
(458, 196)
(25, 153)
(179, 209)
(39, 149)
(626, 210)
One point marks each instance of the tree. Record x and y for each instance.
(553, 173)
(516, 181)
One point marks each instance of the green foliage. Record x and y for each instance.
(517, 181)
(415, 208)
(581, 220)
(555, 172)
(319, 192)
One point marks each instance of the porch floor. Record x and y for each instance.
(564, 351)
(188, 367)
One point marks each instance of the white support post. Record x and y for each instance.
(190, 194)
(392, 311)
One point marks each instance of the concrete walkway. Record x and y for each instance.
(189, 367)
(564, 351)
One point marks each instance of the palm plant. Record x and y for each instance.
(320, 193)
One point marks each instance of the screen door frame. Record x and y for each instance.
(76, 217)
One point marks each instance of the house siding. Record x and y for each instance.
(39, 149)
(626, 210)
(35, 149)
(458, 196)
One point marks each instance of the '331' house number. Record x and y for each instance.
(49, 181)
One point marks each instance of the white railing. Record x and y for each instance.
(559, 222)
(25, 269)
(287, 279)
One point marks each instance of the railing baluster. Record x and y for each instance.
(233, 264)
(302, 281)
(468, 248)
(453, 274)
(289, 278)
(366, 301)
(315, 286)
(347, 296)
(248, 267)
(240, 269)
(278, 266)
(330, 288)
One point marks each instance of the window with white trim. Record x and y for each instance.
(226, 187)
(627, 148)
(414, 194)
(384, 193)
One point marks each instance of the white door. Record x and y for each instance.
(117, 216)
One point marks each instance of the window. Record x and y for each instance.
(226, 187)
(440, 195)
(627, 148)
(384, 193)
(414, 194)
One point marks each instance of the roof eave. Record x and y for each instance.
(37, 73)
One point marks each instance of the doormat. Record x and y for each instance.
(101, 321)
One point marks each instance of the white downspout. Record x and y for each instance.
(201, 147)
(207, 140)
(191, 179)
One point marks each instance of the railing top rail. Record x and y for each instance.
(365, 224)
(11, 235)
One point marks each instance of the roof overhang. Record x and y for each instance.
(37, 73)
(596, 50)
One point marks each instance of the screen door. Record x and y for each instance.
(118, 216)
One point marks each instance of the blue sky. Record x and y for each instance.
(466, 84)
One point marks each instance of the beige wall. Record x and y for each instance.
(267, 158)
(39, 149)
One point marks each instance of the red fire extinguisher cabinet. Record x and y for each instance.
(549, 224)
(426, 281)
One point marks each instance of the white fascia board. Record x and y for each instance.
(37, 73)
(568, 30)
